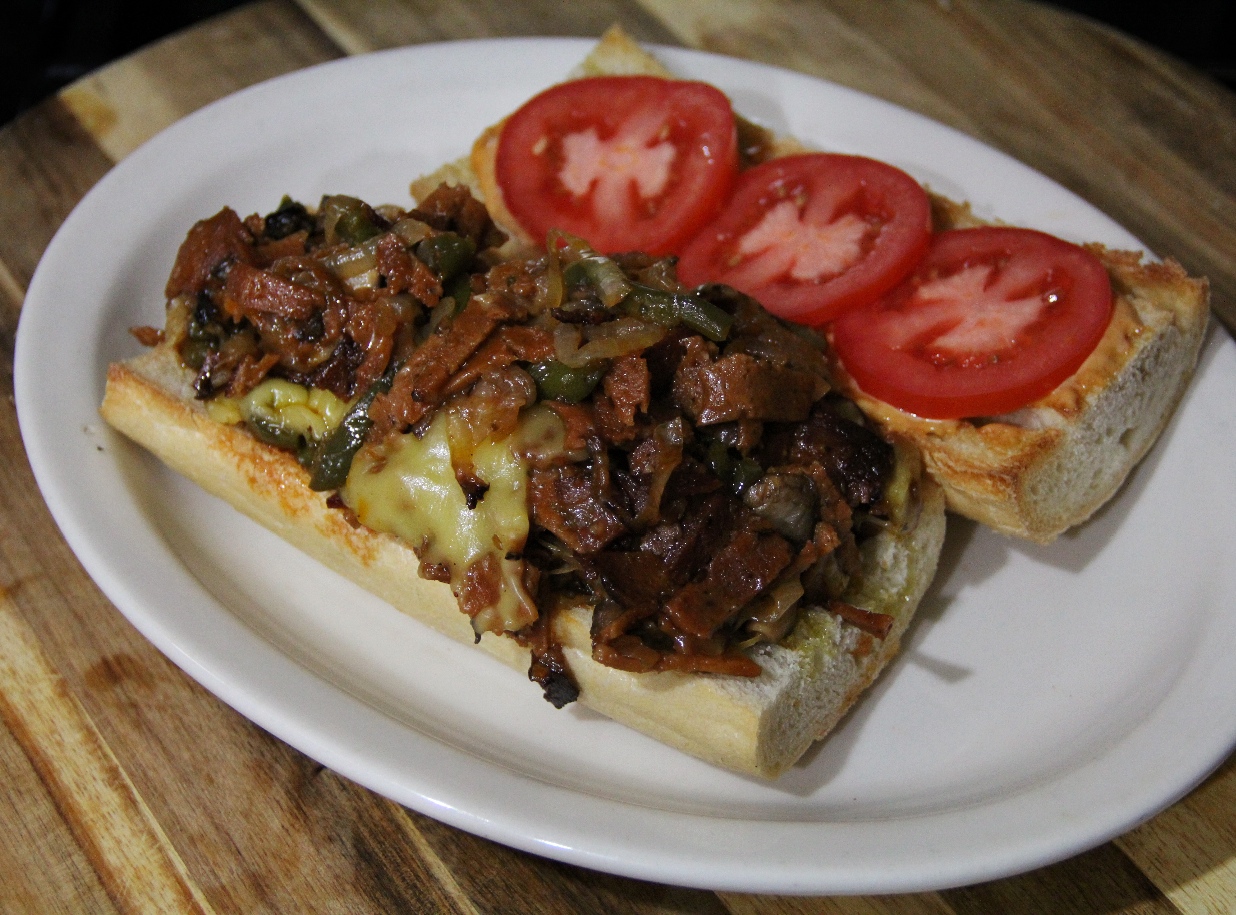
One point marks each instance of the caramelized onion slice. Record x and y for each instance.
(581, 348)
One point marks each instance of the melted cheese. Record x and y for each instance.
(312, 413)
(410, 489)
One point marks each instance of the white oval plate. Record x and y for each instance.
(1047, 699)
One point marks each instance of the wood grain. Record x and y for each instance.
(904, 904)
(1189, 850)
(359, 26)
(44, 868)
(126, 103)
(47, 163)
(132, 857)
(129, 788)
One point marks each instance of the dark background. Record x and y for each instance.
(46, 44)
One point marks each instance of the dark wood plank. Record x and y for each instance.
(499, 879)
(47, 164)
(1099, 881)
(900, 904)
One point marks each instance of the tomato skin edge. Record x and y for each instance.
(910, 383)
(904, 237)
(703, 175)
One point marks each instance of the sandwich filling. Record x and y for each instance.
(547, 432)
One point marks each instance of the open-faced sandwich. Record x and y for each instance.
(546, 410)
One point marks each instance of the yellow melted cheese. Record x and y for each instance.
(409, 489)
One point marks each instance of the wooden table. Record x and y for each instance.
(109, 808)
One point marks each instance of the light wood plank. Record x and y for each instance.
(44, 870)
(132, 856)
(124, 104)
(1189, 850)
(119, 107)
(371, 25)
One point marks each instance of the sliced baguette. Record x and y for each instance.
(1050, 466)
(757, 725)
(1034, 473)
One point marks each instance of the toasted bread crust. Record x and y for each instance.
(759, 726)
(1050, 466)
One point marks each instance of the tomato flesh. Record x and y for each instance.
(991, 320)
(626, 162)
(811, 236)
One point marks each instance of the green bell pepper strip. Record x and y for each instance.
(333, 457)
(459, 289)
(666, 308)
(354, 220)
(671, 308)
(446, 254)
(558, 381)
(270, 430)
(733, 470)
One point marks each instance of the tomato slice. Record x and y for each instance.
(810, 236)
(991, 320)
(626, 162)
